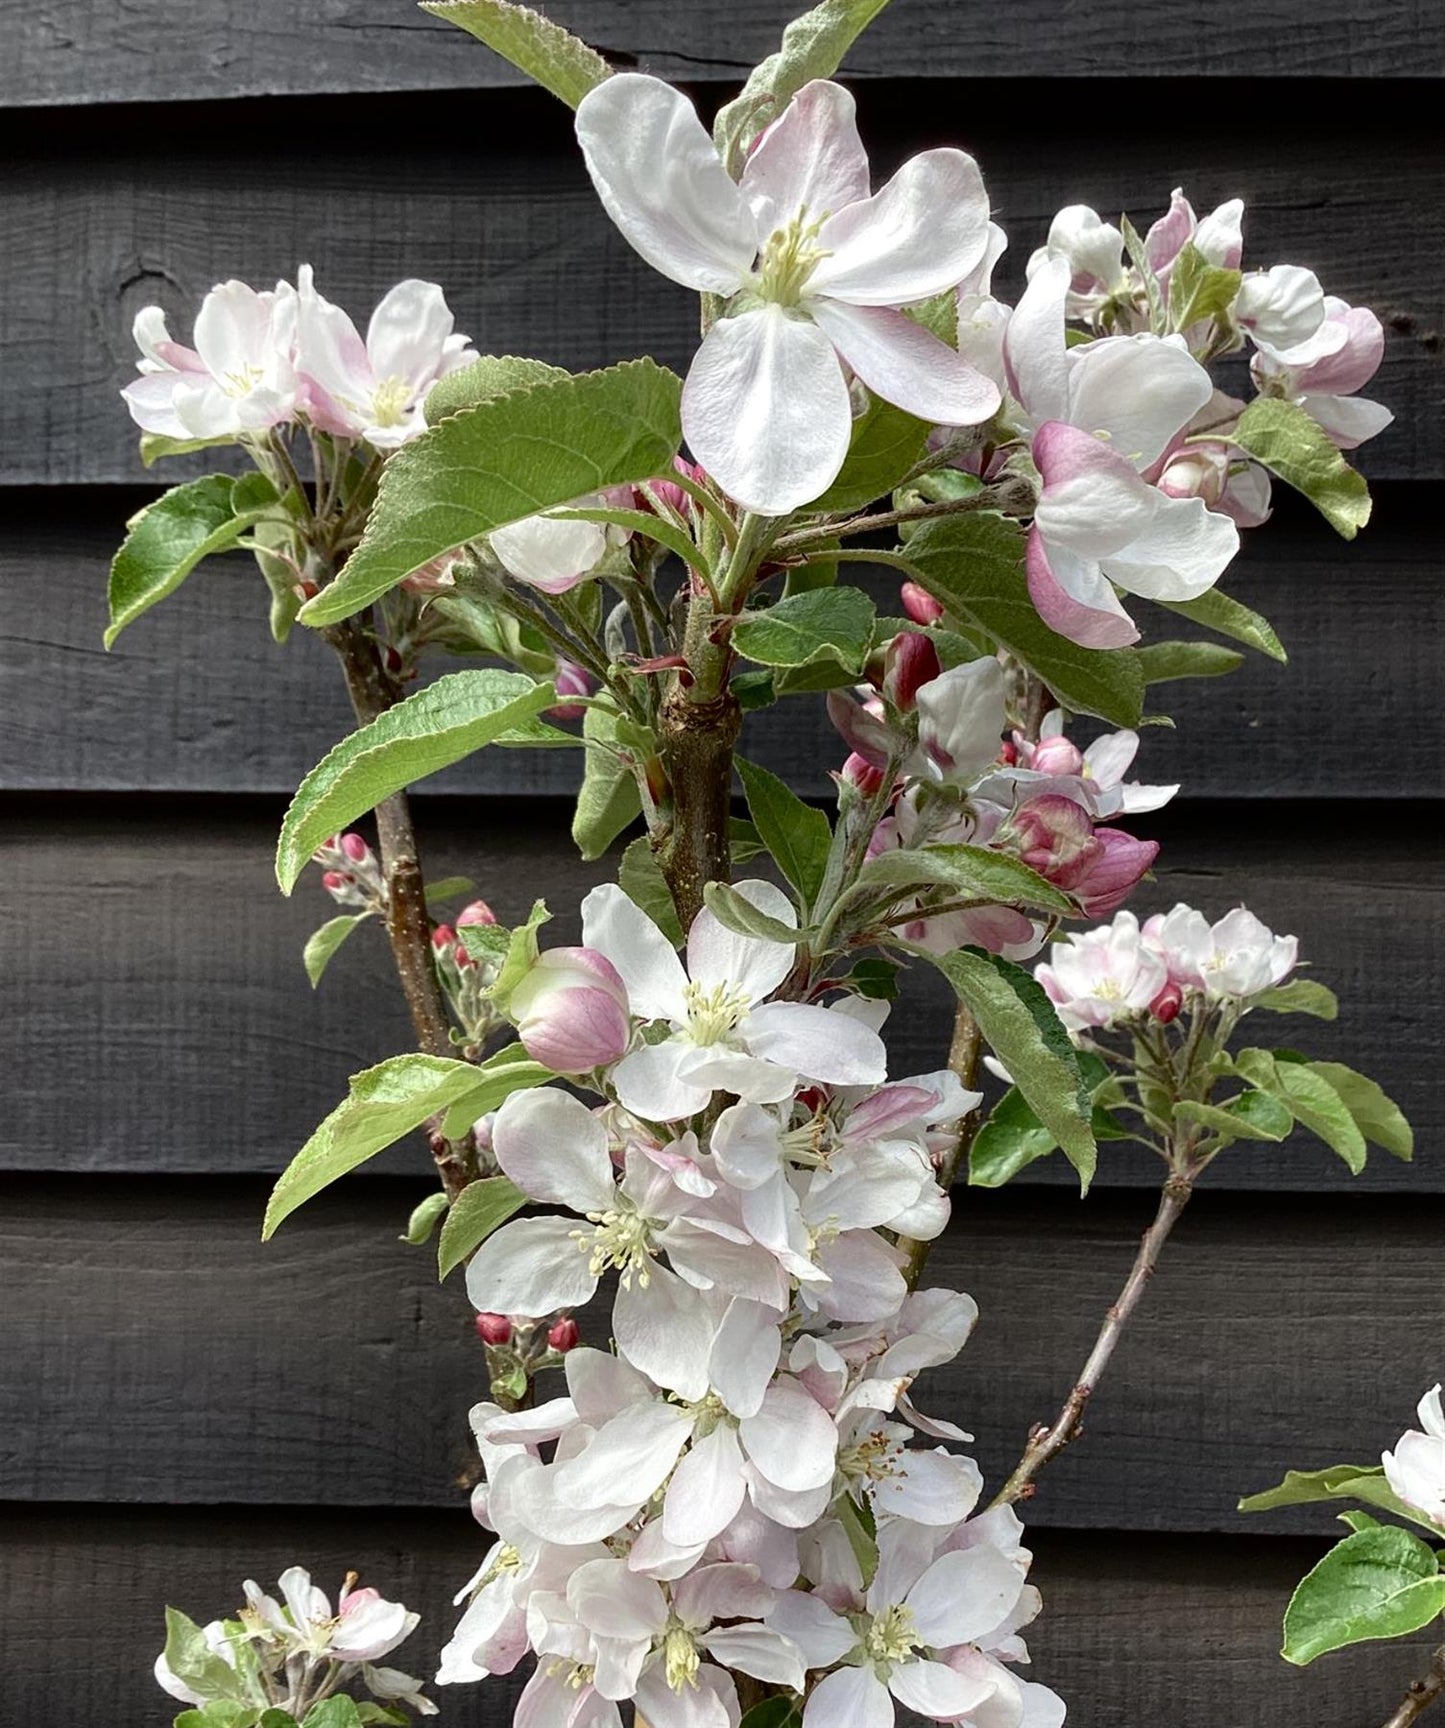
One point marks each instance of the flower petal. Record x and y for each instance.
(818, 1042)
(1092, 502)
(664, 1330)
(756, 1650)
(408, 332)
(706, 1490)
(613, 1602)
(810, 159)
(823, 1636)
(751, 966)
(933, 1689)
(791, 1440)
(1184, 552)
(1074, 598)
(554, 1149)
(849, 1698)
(531, 1266)
(651, 1082)
(1138, 391)
(1035, 356)
(648, 964)
(744, 1355)
(907, 365)
(547, 553)
(627, 1460)
(964, 1595)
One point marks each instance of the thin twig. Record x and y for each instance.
(1422, 1693)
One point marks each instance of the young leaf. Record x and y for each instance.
(336, 1711)
(447, 889)
(967, 873)
(820, 624)
(775, 1712)
(885, 445)
(1199, 289)
(167, 539)
(386, 1102)
(480, 1208)
(1284, 439)
(973, 564)
(1163, 661)
(608, 800)
(735, 912)
(875, 979)
(1378, 1117)
(1300, 996)
(1216, 611)
(1011, 1140)
(157, 447)
(556, 59)
(191, 1659)
(429, 730)
(489, 376)
(797, 835)
(509, 457)
(423, 1219)
(640, 878)
(861, 1529)
(1382, 1583)
(322, 944)
(1338, 1482)
(1025, 1033)
(1251, 1116)
(520, 956)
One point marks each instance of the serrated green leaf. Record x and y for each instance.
(1025, 1033)
(485, 943)
(387, 1102)
(973, 564)
(798, 836)
(833, 624)
(640, 878)
(1199, 289)
(1377, 1116)
(1251, 1116)
(1381, 1583)
(1300, 996)
(424, 1218)
(477, 1211)
(1217, 611)
(487, 377)
(968, 873)
(1364, 1482)
(885, 445)
(510, 457)
(192, 1660)
(1164, 661)
(1297, 449)
(553, 57)
(166, 540)
(736, 912)
(608, 800)
(322, 944)
(429, 730)
(813, 46)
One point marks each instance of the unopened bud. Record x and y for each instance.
(1166, 1005)
(911, 662)
(919, 604)
(1008, 753)
(443, 937)
(335, 881)
(564, 1334)
(392, 660)
(354, 847)
(572, 1011)
(1056, 756)
(859, 772)
(494, 1328)
(570, 680)
(475, 912)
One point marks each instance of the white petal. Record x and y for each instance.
(721, 1069)
(549, 553)
(623, 933)
(833, 1048)
(655, 1556)
(921, 233)
(864, 1280)
(792, 1439)
(766, 409)
(1074, 597)
(541, 1510)
(934, 1488)
(746, 1145)
(810, 159)
(627, 1460)
(664, 1329)
(554, 1149)
(1183, 552)
(613, 1602)
(651, 1082)
(1138, 391)
(907, 365)
(602, 1385)
(662, 182)
(793, 1510)
(757, 1651)
(408, 332)
(706, 1489)
(963, 1595)
(823, 1636)
(1034, 349)
(934, 1690)
(744, 1355)
(705, 1705)
(849, 1698)
(725, 1591)
(749, 965)
(1349, 420)
(532, 1266)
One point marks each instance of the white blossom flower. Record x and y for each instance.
(1325, 388)
(813, 270)
(1094, 252)
(364, 1628)
(1099, 976)
(724, 1034)
(555, 553)
(1236, 956)
(1415, 1470)
(1282, 310)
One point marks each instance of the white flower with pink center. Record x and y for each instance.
(1101, 976)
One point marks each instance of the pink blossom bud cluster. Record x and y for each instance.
(466, 981)
(351, 872)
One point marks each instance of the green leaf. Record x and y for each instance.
(490, 376)
(386, 1102)
(640, 878)
(1011, 1140)
(1199, 289)
(861, 1529)
(1026, 1035)
(1377, 1116)
(1139, 258)
(738, 913)
(1359, 1521)
(1163, 661)
(1216, 611)
(608, 800)
(337, 1711)
(485, 943)
(973, 564)
(554, 57)
(885, 445)
(322, 944)
(1316, 1105)
(967, 873)
(1382, 1583)
(1296, 448)
(423, 1220)
(507, 458)
(1300, 996)
(1339, 1482)
(193, 1661)
(779, 1711)
(447, 889)
(820, 624)
(797, 835)
(875, 979)
(480, 1208)
(167, 539)
(429, 730)
(520, 956)
(227, 1713)
(813, 46)
(1251, 1116)
(156, 447)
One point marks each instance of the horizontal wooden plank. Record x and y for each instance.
(157, 1351)
(152, 947)
(1134, 1630)
(69, 51)
(196, 697)
(111, 213)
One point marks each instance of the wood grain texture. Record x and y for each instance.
(84, 51)
(157, 1351)
(196, 697)
(1136, 1631)
(108, 214)
(151, 947)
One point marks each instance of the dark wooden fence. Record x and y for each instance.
(180, 1407)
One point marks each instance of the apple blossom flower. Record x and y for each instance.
(1218, 237)
(724, 1034)
(1235, 957)
(364, 1628)
(1325, 388)
(556, 553)
(219, 1641)
(374, 389)
(960, 720)
(813, 270)
(1093, 777)
(1282, 311)
(1211, 469)
(238, 379)
(1415, 1470)
(1094, 252)
(1101, 976)
(571, 1011)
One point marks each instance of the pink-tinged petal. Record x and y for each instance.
(724, 1591)
(818, 1042)
(602, 1385)
(907, 365)
(151, 399)
(530, 1267)
(755, 1650)
(1136, 391)
(613, 1602)
(644, 958)
(233, 330)
(1075, 599)
(921, 233)
(935, 1690)
(1220, 234)
(762, 1546)
(627, 1460)
(408, 332)
(653, 1555)
(153, 338)
(1349, 420)
(744, 1355)
(554, 1149)
(706, 1490)
(1167, 237)
(849, 1698)
(964, 1595)
(662, 182)
(664, 1330)
(711, 1703)
(766, 409)
(1183, 552)
(719, 958)
(1035, 357)
(864, 1280)
(1356, 362)
(1246, 497)
(1092, 502)
(791, 1440)
(810, 159)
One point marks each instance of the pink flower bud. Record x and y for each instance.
(1056, 756)
(1197, 471)
(859, 772)
(335, 881)
(910, 663)
(861, 726)
(564, 1334)
(355, 848)
(572, 1012)
(669, 492)
(494, 1328)
(1050, 834)
(1166, 1005)
(919, 604)
(1113, 869)
(570, 680)
(476, 912)
(443, 937)
(1008, 753)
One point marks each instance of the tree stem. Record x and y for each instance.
(965, 1052)
(1422, 1693)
